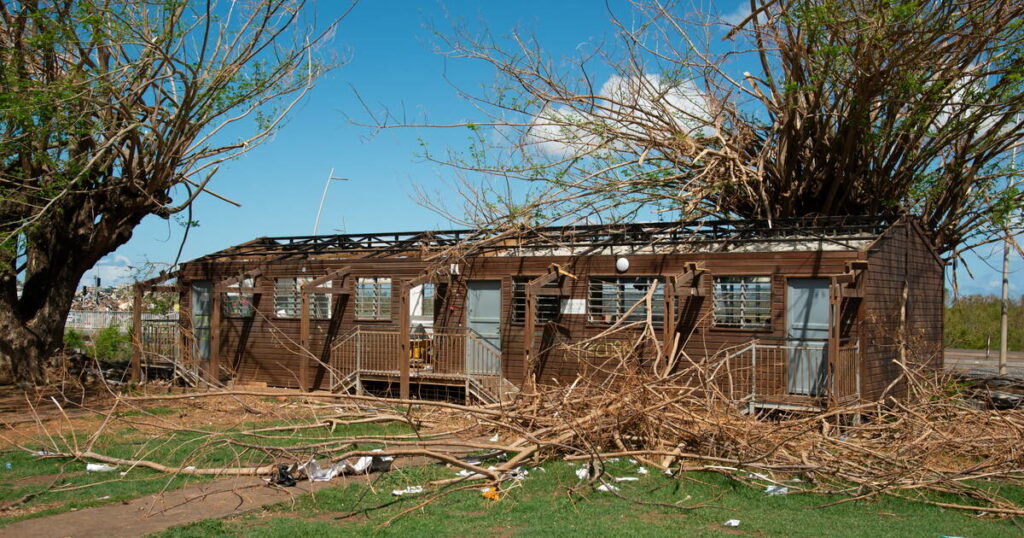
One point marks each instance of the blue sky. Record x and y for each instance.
(391, 64)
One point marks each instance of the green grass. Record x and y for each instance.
(32, 475)
(541, 507)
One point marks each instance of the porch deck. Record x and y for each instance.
(448, 357)
(787, 375)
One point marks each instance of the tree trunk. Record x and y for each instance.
(29, 344)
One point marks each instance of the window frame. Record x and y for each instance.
(623, 302)
(378, 313)
(236, 304)
(320, 304)
(551, 310)
(766, 309)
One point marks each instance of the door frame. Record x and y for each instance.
(814, 389)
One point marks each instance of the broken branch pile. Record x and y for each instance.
(917, 447)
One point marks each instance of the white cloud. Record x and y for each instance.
(113, 270)
(630, 105)
(737, 15)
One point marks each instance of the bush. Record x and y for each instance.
(973, 319)
(111, 345)
(74, 340)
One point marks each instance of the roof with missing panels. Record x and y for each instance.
(805, 234)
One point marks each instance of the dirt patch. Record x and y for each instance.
(38, 480)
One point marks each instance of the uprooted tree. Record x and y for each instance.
(794, 108)
(112, 111)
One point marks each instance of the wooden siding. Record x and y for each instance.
(265, 347)
(900, 258)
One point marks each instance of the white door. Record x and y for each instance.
(807, 324)
(483, 315)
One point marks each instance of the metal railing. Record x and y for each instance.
(789, 371)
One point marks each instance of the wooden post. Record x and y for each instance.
(137, 334)
(213, 375)
(304, 343)
(669, 322)
(529, 321)
(404, 345)
(835, 298)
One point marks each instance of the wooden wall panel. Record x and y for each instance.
(265, 349)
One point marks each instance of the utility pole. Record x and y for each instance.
(1004, 311)
(330, 177)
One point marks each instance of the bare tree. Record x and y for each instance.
(795, 108)
(111, 111)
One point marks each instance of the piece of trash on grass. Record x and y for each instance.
(8, 466)
(315, 473)
(284, 477)
(411, 490)
(757, 476)
(607, 487)
(465, 472)
(43, 453)
(776, 490)
(632, 461)
(731, 523)
(583, 473)
(494, 439)
(626, 479)
(642, 470)
(669, 472)
(490, 493)
(99, 467)
(539, 469)
(613, 460)
(103, 498)
(362, 464)
(517, 474)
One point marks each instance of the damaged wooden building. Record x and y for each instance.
(814, 311)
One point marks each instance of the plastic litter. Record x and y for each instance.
(626, 479)
(583, 473)
(43, 453)
(632, 461)
(757, 476)
(411, 490)
(465, 472)
(284, 477)
(8, 466)
(319, 474)
(642, 470)
(362, 464)
(517, 474)
(494, 439)
(776, 490)
(99, 467)
(607, 487)
(731, 523)
(490, 493)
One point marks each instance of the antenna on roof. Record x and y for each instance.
(327, 184)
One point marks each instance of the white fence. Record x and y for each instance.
(91, 321)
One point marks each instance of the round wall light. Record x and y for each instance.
(622, 265)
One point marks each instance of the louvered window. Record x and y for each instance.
(547, 305)
(288, 299)
(743, 302)
(612, 298)
(373, 298)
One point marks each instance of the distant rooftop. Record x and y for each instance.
(822, 233)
